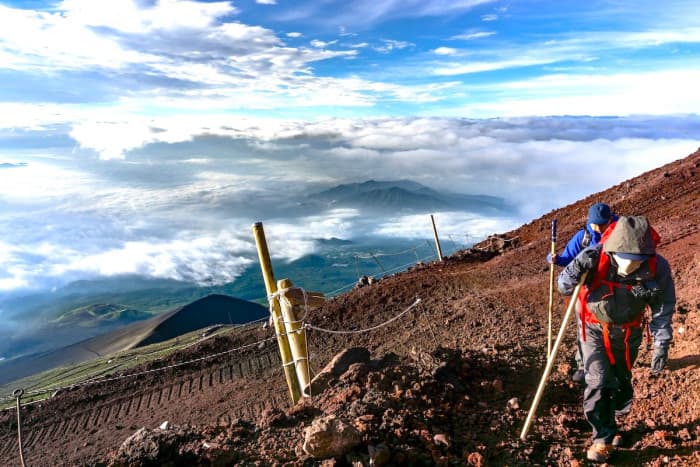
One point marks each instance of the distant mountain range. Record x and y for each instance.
(406, 196)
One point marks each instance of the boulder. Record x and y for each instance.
(330, 436)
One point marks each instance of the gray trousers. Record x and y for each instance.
(608, 387)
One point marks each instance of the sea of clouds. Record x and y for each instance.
(169, 199)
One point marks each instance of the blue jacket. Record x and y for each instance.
(575, 246)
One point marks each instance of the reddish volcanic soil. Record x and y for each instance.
(448, 383)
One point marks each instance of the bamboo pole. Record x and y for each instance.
(437, 240)
(291, 300)
(550, 360)
(551, 288)
(271, 288)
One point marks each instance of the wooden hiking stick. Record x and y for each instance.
(550, 360)
(551, 287)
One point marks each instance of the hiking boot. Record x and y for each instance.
(579, 376)
(599, 452)
(617, 441)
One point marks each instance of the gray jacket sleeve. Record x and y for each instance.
(572, 273)
(662, 310)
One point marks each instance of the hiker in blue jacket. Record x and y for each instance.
(599, 218)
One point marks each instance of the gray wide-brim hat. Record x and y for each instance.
(631, 239)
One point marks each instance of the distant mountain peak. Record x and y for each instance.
(405, 196)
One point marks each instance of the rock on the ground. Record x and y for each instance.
(337, 366)
(330, 436)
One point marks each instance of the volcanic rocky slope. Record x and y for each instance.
(447, 383)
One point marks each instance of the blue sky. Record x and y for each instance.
(121, 121)
(473, 58)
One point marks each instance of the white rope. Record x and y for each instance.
(402, 252)
(389, 271)
(373, 328)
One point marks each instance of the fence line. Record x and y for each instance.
(140, 373)
(94, 416)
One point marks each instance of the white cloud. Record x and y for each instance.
(656, 92)
(205, 259)
(266, 2)
(389, 45)
(294, 35)
(467, 36)
(488, 18)
(459, 227)
(44, 41)
(130, 17)
(453, 69)
(445, 51)
(321, 44)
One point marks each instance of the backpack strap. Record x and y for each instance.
(586, 240)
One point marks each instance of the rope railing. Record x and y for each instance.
(97, 380)
(397, 253)
(385, 273)
(306, 326)
(361, 331)
(140, 373)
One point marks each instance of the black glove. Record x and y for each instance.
(658, 360)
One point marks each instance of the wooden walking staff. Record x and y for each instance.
(271, 287)
(550, 360)
(551, 288)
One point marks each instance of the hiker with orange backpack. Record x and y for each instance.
(625, 275)
(600, 216)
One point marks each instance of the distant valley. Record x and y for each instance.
(39, 323)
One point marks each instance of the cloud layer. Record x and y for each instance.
(163, 199)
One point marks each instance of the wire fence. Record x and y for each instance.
(305, 325)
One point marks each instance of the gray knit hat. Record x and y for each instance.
(631, 239)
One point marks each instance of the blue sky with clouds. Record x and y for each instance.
(121, 121)
(473, 58)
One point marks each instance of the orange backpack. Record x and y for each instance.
(599, 280)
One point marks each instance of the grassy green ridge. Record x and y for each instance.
(61, 377)
(96, 314)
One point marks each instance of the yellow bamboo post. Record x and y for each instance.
(291, 300)
(551, 287)
(550, 360)
(437, 240)
(271, 288)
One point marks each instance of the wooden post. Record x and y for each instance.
(271, 287)
(551, 288)
(550, 360)
(437, 240)
(292, 299)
